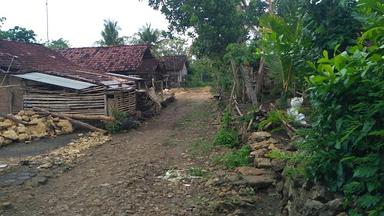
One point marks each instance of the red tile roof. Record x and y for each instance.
(174, 63)
(111, 59)
(37, 58)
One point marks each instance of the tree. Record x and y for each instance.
(161, 42)
(147, 35)
(2, 33)
(173, 46)
(110, 34)
(17, 33)
(58, 44)
(21, 34)
(214, 24)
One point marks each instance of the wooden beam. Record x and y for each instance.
(73, 121)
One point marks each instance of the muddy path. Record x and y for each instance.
(122, 176)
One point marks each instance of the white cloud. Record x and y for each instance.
(79, 21)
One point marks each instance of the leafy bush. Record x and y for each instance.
(275, 120)
(122, 122)
(236, 158)
(345, 147)
(226, 136)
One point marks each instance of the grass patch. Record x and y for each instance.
(197, 115)
(197, 172)
(200, 147)
(235, 158)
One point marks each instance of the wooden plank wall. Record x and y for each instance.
(69, 104)
(122, 101)
(11, 94)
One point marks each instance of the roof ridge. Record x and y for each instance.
(106, 47)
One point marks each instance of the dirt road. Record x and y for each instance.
(122, 177)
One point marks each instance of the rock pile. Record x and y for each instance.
(69, 153)
(261, 144)
(38, 126)
(299, 198)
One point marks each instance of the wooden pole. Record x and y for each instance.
(73, 121)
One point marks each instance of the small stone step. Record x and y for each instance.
(259, 182)
(263, 163)
(251, 171)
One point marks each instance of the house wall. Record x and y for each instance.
(11, 94)
(177, 78)
(122, 101)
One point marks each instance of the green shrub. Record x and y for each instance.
(226, 136)
(116, 126)
(345, 147)
(274, 120)
(236, 158)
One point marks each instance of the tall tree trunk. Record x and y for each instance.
(235, 71)
(245, 72)
(260, 77)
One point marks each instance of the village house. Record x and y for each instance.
(32, 75)
(127, 60)
(176, 67)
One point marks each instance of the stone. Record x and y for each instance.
(10, 134)
(273, 141)
(65, 125)
(312, 207)
(336, 204)
(259, 182)
(278, 165)
(41, 180)
(259, 136)
(2, 140)
(321, 193)
(342, 214)
(21, 129)
(251, 171)
(258, 153)
(5, 205)
(272, 147)
(39, 130)
(263, 163)
(259, 145)
(25, 118)
(24, 137)
(7, 141)
(6, 123)
(212, 182)
(45, 166)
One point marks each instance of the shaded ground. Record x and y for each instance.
(124, 176)
(35, 147)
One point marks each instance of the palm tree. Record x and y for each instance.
(147, 35)
(110, 34)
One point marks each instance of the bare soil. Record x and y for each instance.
(126, 175)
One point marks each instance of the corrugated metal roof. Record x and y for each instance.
(126, 76)
(55, 80)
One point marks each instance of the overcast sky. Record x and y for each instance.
(79, 21)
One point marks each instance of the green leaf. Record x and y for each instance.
(368, 201)
(365, 171)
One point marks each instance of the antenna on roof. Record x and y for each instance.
(46, 6)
